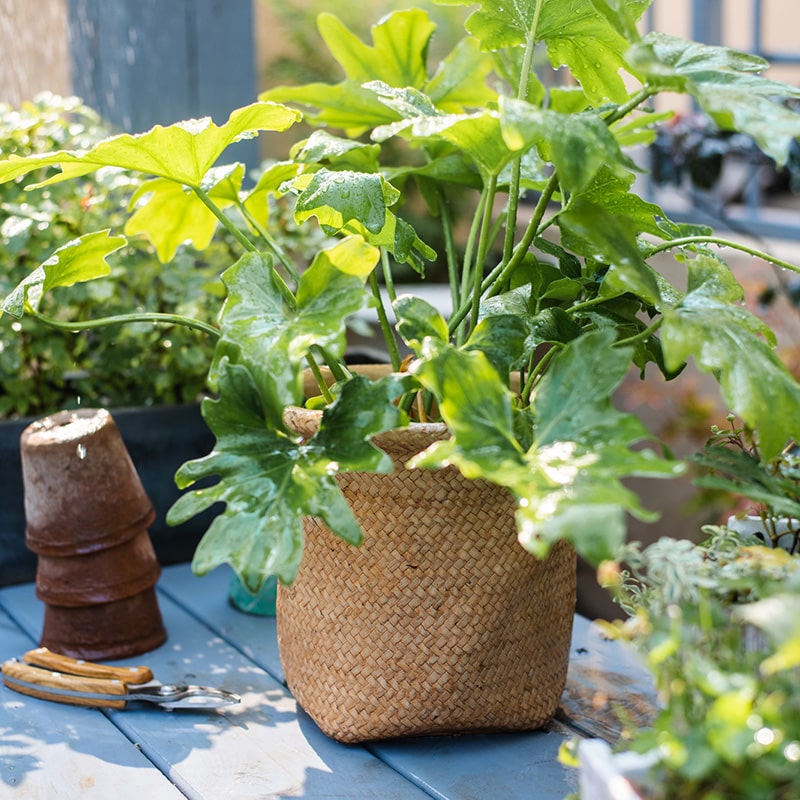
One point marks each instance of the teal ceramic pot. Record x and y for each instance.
(261, 604)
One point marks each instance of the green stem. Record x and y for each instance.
(460, 315)
(634, 101)
(273, 245)
(643, 335)
(383, 319)
(524, 244)
(484, 242)
(522, 92)
(388, 278)
(450, 249)
(688, 240)
(228, 224)
(122, 319)
(525, 394)
(319, 378)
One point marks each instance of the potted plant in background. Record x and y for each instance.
(717, 625)
(551, 303)
(732, 462)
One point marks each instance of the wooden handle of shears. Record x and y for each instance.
(42, 657)
(48, 685)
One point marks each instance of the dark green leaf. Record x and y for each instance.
(418, 320)
(727, 340)
(501, 338)
(578, 145)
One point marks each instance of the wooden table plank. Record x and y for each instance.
(452, 767)
(261, 749)
(206, 598)
(49, 750)
(606, 682)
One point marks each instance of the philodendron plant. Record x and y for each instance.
(553, 302)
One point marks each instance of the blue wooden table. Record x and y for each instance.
(267, 747)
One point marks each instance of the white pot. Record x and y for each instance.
(753, 525)
(605, 775)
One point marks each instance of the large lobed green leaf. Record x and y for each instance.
(169, 215)
(259, 329)
(183, 152)
(737, 347)
(589, 41)
(397, 58)
(268, 479)
(726, 85)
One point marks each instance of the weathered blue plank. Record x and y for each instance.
(49, 750)
(473, 767)
(263, 748)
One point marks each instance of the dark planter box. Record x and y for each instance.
(159, 440)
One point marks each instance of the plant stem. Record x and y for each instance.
(321, 382)
(525, 393)
(226, 222)
(122, 319)
(249, 246)
(383, 319)
(688, 240)
(483, 248)
(642, 335)
(522, 92)
(460, 315)
(450, 249)
(499, 276)
(273, 245)
(643, 94)
(388, 278)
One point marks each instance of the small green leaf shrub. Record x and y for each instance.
(43, 369)
(718, 626)
(557, 279)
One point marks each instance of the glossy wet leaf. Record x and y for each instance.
(337, 197)
(729, 341)
(579, 146)
(727, 85)
(82, 259)
(358, 203)
(502, 339)
(260, 330)
(418, 320)
(575, 33)
(268, 479)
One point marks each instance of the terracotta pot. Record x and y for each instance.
(440, 622)
(100, 577)
(87, 518)
(120, 629)
(82, 492)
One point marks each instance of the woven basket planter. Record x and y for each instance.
(439, 623)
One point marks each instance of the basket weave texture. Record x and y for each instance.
(439, 623)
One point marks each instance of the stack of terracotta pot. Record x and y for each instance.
(87, 517)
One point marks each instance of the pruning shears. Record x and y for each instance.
(51, 676)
